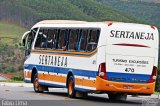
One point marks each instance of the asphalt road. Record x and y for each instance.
(58, 97)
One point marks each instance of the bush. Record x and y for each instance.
(17, 78)
(9, 70)
(20, 67)
(158, 84)
(158, 80)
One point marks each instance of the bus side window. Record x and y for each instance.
(73, 38)
(44, 39)
(41, 41)
(93, 40)
(51, 38)
(62, 39)
(83, 39)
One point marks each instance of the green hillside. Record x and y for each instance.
(11, 55)
(149, 12)
(28, 12)
(10, 33)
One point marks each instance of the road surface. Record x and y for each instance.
(58, 97)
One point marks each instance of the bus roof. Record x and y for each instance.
(84, 23)
(61, 22)
(48, 22)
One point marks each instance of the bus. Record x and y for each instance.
(115, 58)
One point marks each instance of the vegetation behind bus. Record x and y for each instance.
(11, 54)
(143, 10)
(32, 11)
(158, 80)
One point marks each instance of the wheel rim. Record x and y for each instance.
(70, 87)
(36, 84)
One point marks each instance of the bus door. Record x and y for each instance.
(40, 46)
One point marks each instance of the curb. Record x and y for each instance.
(16, 84)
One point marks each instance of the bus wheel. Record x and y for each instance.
(118, 97)
(36, 85)
(71, 90)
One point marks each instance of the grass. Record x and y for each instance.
(11, 81)
(10, 33)
(157, 93)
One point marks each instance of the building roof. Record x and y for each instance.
(6, 76)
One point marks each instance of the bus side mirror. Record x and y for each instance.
(23, 42)
(24, 38)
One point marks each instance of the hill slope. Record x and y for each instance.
(10, 33)
(28, 12)
(153, 1)
(11, 55)
(150, 12)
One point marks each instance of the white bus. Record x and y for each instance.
(116, 58)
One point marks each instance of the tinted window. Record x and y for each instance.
(83, 40)
(92, 40)
(73, 39)
(51, 38)
(62, 39)
(40, 41)
(46, 38)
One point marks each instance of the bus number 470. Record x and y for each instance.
(129, 69)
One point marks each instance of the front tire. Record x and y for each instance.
(71, 90)
(36, 85)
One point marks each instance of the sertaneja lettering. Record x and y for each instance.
(53, 60)
(132, 35)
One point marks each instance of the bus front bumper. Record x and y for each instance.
(121, 87)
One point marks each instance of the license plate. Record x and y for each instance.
(128, 86)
